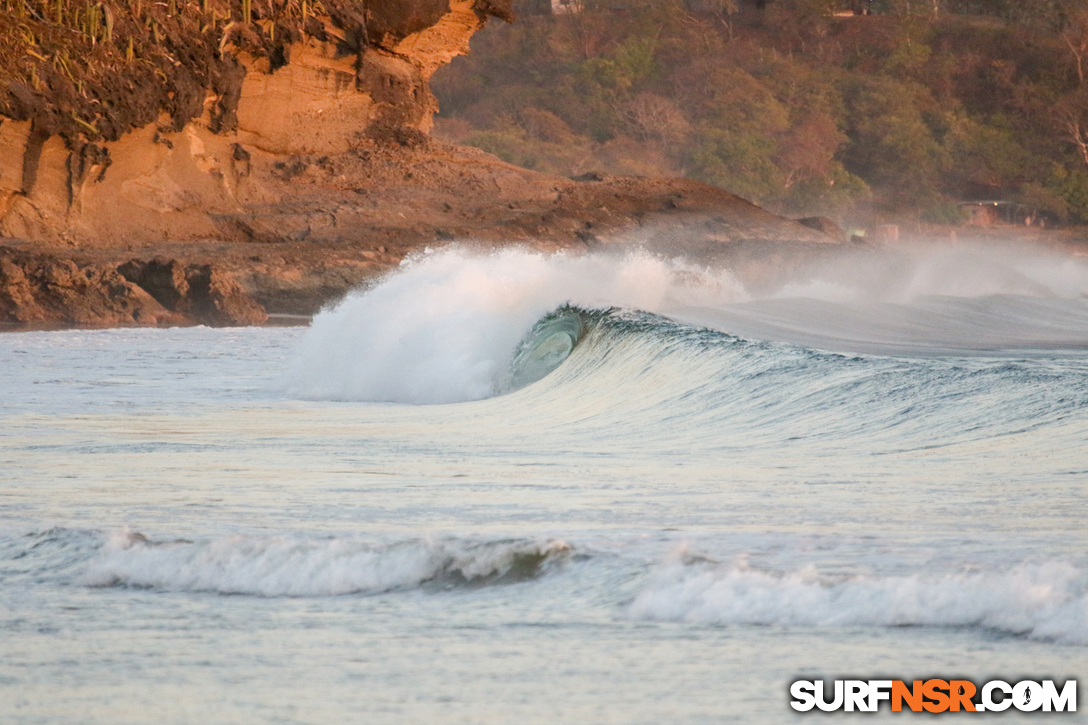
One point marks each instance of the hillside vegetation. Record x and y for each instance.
(91, 70)
(894, 115)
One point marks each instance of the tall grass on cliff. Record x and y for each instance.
(91, 70)
(901, 113)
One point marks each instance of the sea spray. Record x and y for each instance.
(905, 273)
(444, 328)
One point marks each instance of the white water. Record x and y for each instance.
(444, 328)
(298, 567)
(251, 526)
(1048, 602)
(405, 341)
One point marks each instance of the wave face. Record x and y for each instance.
(455, 325)
(445, 328)
(547, 346)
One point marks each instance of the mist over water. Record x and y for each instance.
(906, 273)
(648, 488)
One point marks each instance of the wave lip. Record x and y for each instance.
(1047, 602)
(295, 567)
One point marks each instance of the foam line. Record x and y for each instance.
(1048, 601)
(293, 567)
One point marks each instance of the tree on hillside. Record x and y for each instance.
(793, 108)
(1072, 112)
(721, 10)
(1073, 108)
(1075, 37)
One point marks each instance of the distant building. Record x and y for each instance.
(548, 7)
(990, 213)
(850, 8)
(840, 9)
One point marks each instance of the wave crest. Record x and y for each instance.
(1048, 602)
(445, 327)
(293, 567)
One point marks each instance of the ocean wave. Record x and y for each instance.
(1046, 601)
(446, 327)
(297, 567)
(451, 326)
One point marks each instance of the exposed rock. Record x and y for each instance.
(217, 299)
(145, 152)
(397, 19)
(347, 218)
(165, 280)
(199, 292)
(38, 290)
(140, 62)
(825, 225)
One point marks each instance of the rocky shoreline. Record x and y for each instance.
(327, 179)
(330, 236)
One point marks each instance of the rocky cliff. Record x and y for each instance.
(213, 161)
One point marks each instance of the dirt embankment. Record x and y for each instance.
(278, 163)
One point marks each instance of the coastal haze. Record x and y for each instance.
(541, 441)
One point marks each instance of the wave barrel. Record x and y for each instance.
(551, 341)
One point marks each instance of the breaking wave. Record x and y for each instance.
(456, 326)
(1047, 601)
(296, 567)
(446, 327)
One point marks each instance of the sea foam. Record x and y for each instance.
(298, 567)
(1046, 601)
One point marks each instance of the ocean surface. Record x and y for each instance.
(520, 488)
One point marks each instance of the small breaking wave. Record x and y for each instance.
(297, 567)
(1046, 602)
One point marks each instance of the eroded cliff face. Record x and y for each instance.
(198, 131)
(358, 75)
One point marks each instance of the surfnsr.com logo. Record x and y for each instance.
(934, 696)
